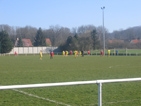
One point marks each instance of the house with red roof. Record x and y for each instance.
(48, 42)
(135, 41)
(115, 41)
(27, 43)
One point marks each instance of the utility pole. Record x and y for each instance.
(103, 29)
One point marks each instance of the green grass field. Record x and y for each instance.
(17, 70)
(121, 52)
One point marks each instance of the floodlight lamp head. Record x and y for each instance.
(103, 7)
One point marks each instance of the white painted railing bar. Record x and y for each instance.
(47, 84)
(98, 82)
(118, 80)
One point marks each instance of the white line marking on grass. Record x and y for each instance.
(118, 66)
(114, 66)
(53, 101)
(47, 99)
(122, 101)
(128, 66)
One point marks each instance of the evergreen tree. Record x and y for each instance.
(39, 38)
(76, 36)
(71, 43)
(95, 40)
(5, 42)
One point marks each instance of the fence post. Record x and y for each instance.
(99, 94)
(126, 51)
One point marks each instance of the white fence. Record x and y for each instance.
(98, 82)
(31, 50)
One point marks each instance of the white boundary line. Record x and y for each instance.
(53, 101)
(47, 99)
(99, 82)
(122, 101)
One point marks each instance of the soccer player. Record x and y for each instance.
(82, 53)
(88, 52)
(66, 53)
(101, 53)
(15, 53)
(70, 52)
(51, 54)
(75, 53)
(41, 54)
(116, 52)
(109, 52)
(63, 53)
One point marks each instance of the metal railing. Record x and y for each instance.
(98, 82)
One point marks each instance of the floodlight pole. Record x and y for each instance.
(103, 29)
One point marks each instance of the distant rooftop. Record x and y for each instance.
(48, 42)
(27, 43)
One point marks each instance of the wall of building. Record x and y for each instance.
(33, 50)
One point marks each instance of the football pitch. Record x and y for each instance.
(22, 69)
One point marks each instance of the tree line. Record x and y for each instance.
(86, 37)
(127, 36)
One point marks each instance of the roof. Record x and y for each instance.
(48, 42)
(135, 41)
(27, 43)
(116, 41)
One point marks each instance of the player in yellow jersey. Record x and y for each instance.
(41, 54)
(80, 53)
(66, 53)
(109, 52)
(75, 53)
(63, 53)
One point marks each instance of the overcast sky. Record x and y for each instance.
(118, 14)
